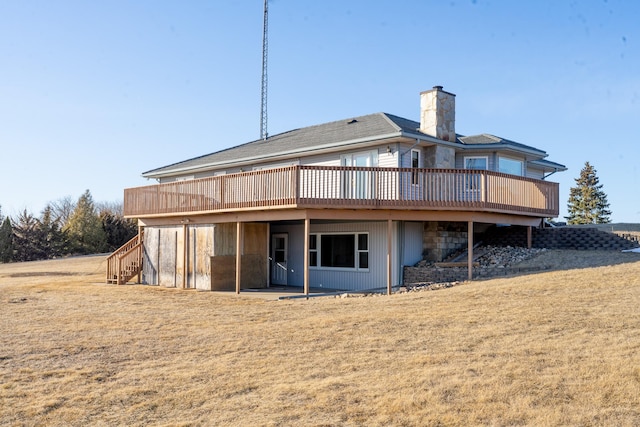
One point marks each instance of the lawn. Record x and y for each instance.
(555, 348)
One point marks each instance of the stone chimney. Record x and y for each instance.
(438, 114)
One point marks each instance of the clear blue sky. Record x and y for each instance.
(93, 93)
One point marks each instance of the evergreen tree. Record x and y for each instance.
(84, 228)
(53, 239)
(6, 241)
(27, 238)
(587, 201)
(118, 230)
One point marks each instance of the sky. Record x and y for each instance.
(92, 94)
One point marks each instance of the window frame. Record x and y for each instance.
(486, 162)
(472, 183)
(414, 174)
(512, 159)
(357, 251)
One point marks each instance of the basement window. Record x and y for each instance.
(339, 251)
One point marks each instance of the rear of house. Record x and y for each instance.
(341, 205)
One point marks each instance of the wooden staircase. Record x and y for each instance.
(126, 261)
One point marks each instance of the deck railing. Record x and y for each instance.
(126, 261)
(348, 187)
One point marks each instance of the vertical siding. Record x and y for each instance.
(295, 263)
(375, 277)
(352, 280)
(163, 255)
(160, 256)
(412, 245)
(199, 253)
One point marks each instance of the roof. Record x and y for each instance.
(486, 140)
(369, 127)
(337, 134)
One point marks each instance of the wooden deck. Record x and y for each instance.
(321, 187)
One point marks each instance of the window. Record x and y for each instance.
(510, 166)
(363, 251)
(473, 181)
(339, 251)
(415, 164)
(313, 250)
(358, 184)
(478, 163)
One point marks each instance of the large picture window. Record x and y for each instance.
(510, 166)
(344, 250)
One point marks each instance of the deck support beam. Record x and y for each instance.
(389, 269)
(307, 231)
(185, 246)
(529, 237)
(238, 256)
(470, 249)
(141, 240)
(268, 255)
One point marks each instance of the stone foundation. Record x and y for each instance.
(414, 275)
(441, 239)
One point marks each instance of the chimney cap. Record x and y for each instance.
(438, 87)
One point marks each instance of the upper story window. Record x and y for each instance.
(415, 164)
(476, 162)
(510, 166)
(366, 158)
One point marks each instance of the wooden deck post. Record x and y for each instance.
(307, 230)
(119, 271)
(238, 255)
(389, 237)
(140, 240)
(268, 255)
(470, 249)
(529, 237)
(185, 246)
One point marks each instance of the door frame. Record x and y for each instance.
(275, 264)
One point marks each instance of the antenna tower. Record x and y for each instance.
(265, 42)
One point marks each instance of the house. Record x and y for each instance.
(341, 205)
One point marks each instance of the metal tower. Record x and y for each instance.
(263, 109)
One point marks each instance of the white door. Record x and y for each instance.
(359, 184)
(279, 256)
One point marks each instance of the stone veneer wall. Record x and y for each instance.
(438, 156)
(438, 114)
(441, 239)
(414, 275)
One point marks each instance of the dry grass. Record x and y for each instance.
(556, 348)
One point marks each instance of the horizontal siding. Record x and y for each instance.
(404, 154)
(534, 173)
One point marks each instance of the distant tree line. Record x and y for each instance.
(64, 228)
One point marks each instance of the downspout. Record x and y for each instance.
(418, 141)
(547, 176)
